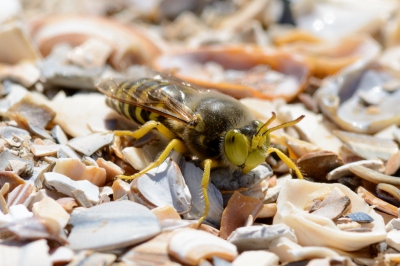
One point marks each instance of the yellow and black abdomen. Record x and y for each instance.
(136, 94)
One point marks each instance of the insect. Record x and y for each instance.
(216, 128)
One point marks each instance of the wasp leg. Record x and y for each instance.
(204, 184)
(143, 130)
(175, 144)
(287, 161)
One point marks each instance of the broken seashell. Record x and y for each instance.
(68, 204)
(317, 165)
(190, 246)
(373, 176)
(259, 257)
(99, 227)
(129, 44)
(120, 189)
(25, 73)
(61, 255)
(166, 212)
(65, 185)
(89, 144)
(58, 134)
(81, 198)
(393, 164)
(89, 257)
(312, 230)
(45, 150)
(31, 115)
(138, 158)
(92, 53)
(236, 212)
(268, 210)
(334, 209)
(163, 185)
(356, 101)
(360, 217)
(21, 195)
(112, 170)
(193, 177)
(368, 147)
(15, 45)
(259, 237)
(35, 228)
(22, 253)
(49, 208)
(154, 251)
(376, 202)
(11, 178)
(261, 74)
(328, 57)
(3, 205)
(76, 170)
(344, 170)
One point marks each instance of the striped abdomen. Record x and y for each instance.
(138, 91)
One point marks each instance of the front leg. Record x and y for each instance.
(175, 144)
(287, 161)
(204, 184)
(143, 130)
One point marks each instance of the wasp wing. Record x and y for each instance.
(161, 95)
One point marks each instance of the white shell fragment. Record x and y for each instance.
(21, 254)
(76, 170)
(112, 225)
(344, 170)
(193, 176)
(312, 230)
(164, 185)
(138, 158)
(49, 208)
(65, 185)
(368, 147)
(256, 258)
(90, 143)
(259, 236)
(190, 246)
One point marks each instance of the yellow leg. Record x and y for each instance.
(175, 144)
(143, 130)
(287, 160)
(204, 184)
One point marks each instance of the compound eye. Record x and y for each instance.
(236, 147)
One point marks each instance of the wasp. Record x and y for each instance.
(213, 127)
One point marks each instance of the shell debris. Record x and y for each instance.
(65, 155)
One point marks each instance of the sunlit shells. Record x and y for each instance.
(313, 230)
(25, 253)
(21, 195)
(49, 208)
(256, 258)
(11, 178)
(356, 100)
(344, 170)
(376, 202)
(193, 177)
(129, 44)
(65, 185)
(112, 170)
(237, 212)
(76, 170)
(166, 212)
(163, 185)
(258, 237)
(90, 143)
(190, 246)
(317, 165)
(368, 147)
(112, 225)
(261, 73)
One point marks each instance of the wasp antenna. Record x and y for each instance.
(265, 126)
(287, 124)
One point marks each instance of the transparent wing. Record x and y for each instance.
(161, 94)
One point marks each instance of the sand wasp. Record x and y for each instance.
(213, 127)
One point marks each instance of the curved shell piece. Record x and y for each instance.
(129, 44)
(328, 57)
(190, 246)
(357, 99)
(237, 73)
(112, 225)
(312, 230)
(164, 185)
